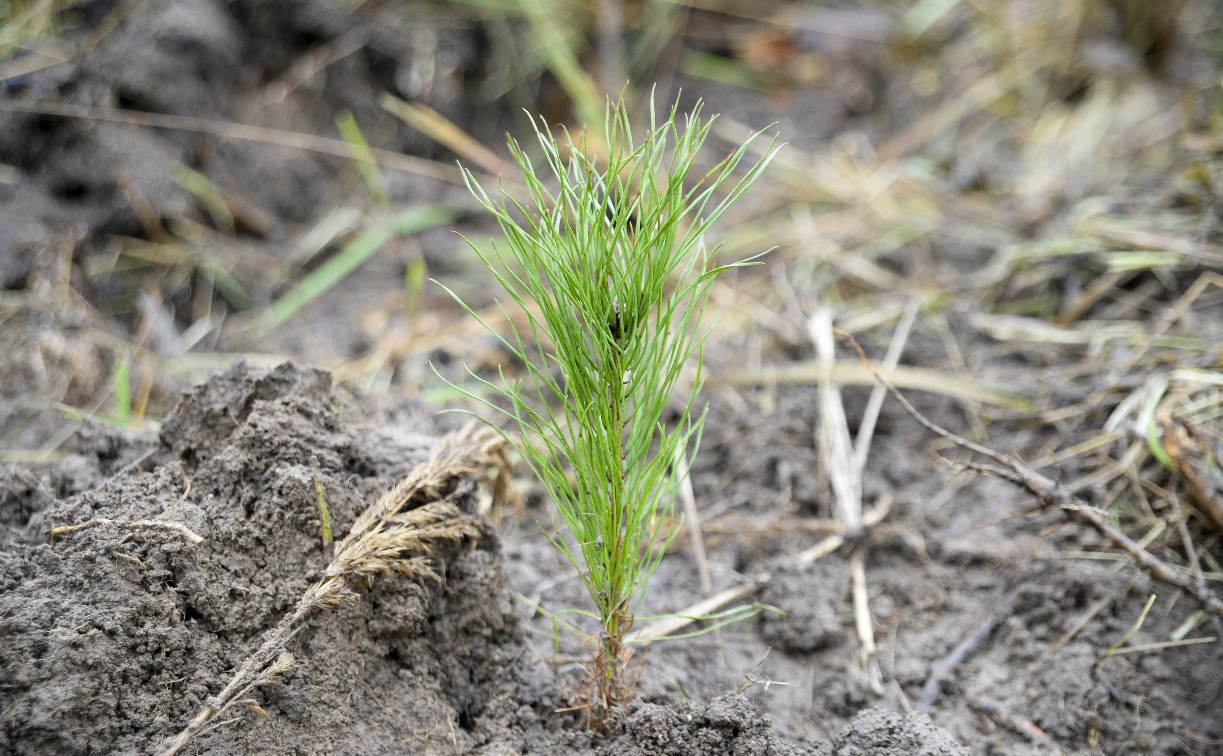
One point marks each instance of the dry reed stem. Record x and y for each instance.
(246, 132)
(753, 532)
(866, 429)
(670, 625)
(852, 374)
(845, 460)
(692, 518)
(836, 447)
(395, 535)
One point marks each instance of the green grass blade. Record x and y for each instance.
(349, 258)
(363, 157)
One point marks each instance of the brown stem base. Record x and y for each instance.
(612, 683)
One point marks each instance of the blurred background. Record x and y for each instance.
(188, 181)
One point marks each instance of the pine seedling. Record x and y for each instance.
(611, 268)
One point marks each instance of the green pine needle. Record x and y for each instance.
(614, 261)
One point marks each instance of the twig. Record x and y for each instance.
(947, 665)
(750, 678)
(177, 527)
(1019, 725)
(1055, 494)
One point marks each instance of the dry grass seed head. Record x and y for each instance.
(388, 531)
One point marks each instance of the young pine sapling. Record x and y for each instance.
(611, 268)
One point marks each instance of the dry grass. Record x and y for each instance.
(1091, 295)
(174, 527)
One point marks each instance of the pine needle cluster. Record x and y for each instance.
(607, 256)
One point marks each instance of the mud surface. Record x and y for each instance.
(114, 637)
(965, 558)
(212, 62)
(118, 636)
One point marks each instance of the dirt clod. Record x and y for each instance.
(118, 635)
(726, 725)
(876, 732)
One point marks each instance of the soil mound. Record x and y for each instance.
(115, 636)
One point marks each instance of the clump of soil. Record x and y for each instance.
(115, 636)
(118, 636)
(880, 733)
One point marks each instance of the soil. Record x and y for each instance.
(112, 638)
(115, 636)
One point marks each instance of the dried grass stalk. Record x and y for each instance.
(395, 535)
